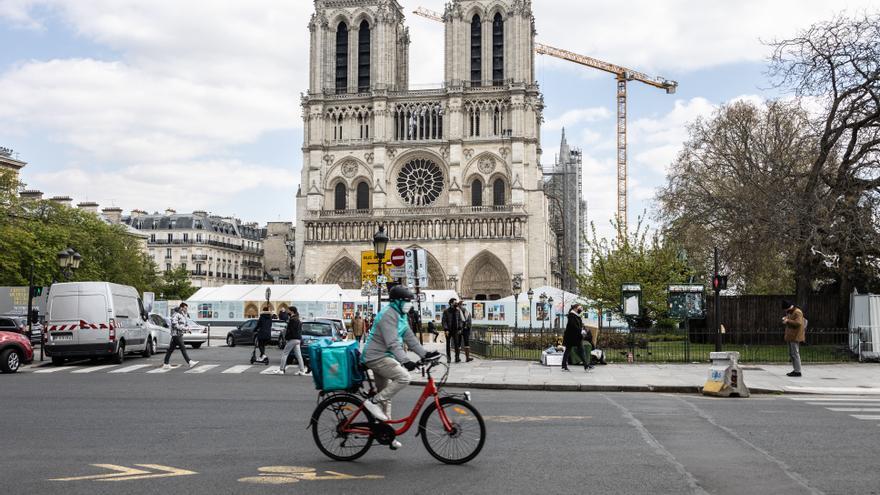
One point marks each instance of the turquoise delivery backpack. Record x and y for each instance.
(336, 366)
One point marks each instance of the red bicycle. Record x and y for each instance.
(452, 429)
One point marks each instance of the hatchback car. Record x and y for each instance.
(244, 333)
(15, 351)
(18, 324)
(160, 332)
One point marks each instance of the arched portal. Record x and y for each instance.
(251, 311)
(485, 277)
(345, 272)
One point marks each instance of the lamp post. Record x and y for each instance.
(531, 294)
(341, 314)
(380, 243)
(517, 287)
(552, 321)
(69, 261)
(543, 299)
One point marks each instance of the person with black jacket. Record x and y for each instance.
(573, 339)
(293, 337)
(451, 323)
(263, 334)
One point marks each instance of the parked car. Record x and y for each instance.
(95, 319)
(18, 324)
(314, 330)
(15, 350)
(194, 335)
(339, 332)
(160, 331)
(244, 333)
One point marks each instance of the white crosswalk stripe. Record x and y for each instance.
(93, 369)
(129, 369)
(846, 404)
(240, 368)
(270, 370)
(164, 370)
(56, 369)
(202, 368)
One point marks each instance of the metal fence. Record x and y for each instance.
(823, 345)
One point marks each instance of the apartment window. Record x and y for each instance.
(152, 237)
(198, 237)
(170, 237)
(168, 252)
(167, 267)
(185, 237)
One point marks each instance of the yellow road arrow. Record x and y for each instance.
(129, 474)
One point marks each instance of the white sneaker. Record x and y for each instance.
(375, 410)
(193, 363)
(395, 445)
(299, 373)
(263, 358)
(166, 366)
(278, 372)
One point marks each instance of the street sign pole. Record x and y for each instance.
(30, 316)
(717, 305)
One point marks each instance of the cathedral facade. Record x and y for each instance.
(454, 170)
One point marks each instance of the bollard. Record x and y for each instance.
(725, 376)
(209, 335)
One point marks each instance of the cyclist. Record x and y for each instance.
(384, 353)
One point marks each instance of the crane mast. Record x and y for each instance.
(623, 76)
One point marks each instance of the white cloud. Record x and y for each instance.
(577, 116)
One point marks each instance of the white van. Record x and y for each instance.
(95, 319)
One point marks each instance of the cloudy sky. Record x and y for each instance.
(195, 105)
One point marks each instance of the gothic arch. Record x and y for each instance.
(344, 272)
(496, 8)
(361, 16)
(251, 311)
(486, 277)
(436, 274)
(335, 172)
(473, 168)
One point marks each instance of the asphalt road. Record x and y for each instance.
(246, 433)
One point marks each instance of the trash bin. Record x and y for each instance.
(725, 376)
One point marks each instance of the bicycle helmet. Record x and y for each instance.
(399, 292)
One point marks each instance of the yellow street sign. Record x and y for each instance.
(280, 475)
(370, 265)
(123, 473)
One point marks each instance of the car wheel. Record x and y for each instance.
(196, 345)
(57, 361)
(148, 349)
(10, 361)
(119, 357)
(230, 341)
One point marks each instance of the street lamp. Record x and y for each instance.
(517, 288)
(341, 314)
(552, 321)
(543, 299)
(531, 294)
(380, 243)
(68, 260)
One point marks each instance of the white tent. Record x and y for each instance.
(865, 317)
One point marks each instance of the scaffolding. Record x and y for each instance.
(563, 186)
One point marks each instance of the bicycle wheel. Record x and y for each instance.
(327, 419)
(465, 440)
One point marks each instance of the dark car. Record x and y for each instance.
(312, 331)
(244, 333)
(18, 324)
(15, 350)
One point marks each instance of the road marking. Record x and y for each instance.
(165, 370)
(528, 419)
(123, 473)
(239, 368)
(129, 369)
(95, 368)
(866, 417)
(58, 368)
(270, 370)
(202, 368)
(852, 409)
(280, 475)
(830, 399)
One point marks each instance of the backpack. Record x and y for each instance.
(335, 366)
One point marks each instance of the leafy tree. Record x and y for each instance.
(176, 284)
(641, 258)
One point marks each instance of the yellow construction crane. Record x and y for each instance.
(623, 76)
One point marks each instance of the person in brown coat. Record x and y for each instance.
(357, 326)
(795, 333)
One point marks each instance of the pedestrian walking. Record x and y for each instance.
(573, 339)
(415, 322)
(357, 327)
(293, 337)
(432, 329)
(262, 335)
(466, 322)
(178, 324)
(795, 334)
(451, 323)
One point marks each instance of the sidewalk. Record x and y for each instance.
(850, 379)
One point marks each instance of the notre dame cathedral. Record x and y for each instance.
(454, 170)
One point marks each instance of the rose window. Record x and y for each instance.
(420, 182)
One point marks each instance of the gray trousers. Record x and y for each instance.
(292, 345)
(794, 350)
(391, 377)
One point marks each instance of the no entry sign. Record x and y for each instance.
(398, 257)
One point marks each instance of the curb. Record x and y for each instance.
(548, 387)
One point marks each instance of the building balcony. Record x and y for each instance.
(417, 224)
(196, 273)
(251, 264)
(200, 257)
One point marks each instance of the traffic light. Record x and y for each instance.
(36, 291)
(719, 282)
